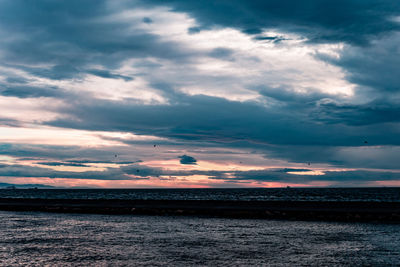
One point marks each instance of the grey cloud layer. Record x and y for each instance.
(215, 119)
(352, 21)
(135, 172)
(68, 40)
(28, 171)
(131, 170)
(70, 37)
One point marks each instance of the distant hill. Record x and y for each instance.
(23, 186)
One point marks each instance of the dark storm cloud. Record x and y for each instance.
(78, 34)
(378, 111)
(185, 159)
(205, 118)
(374, 68)
(72, 35)
(300, 130)
(329, 109)
(352, 21)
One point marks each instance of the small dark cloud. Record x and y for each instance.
(147, 20)
(187, 160)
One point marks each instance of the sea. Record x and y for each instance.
(380, 194)
(57, 239)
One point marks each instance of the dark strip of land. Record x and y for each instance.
(291, 210)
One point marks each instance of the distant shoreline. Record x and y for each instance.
(352, 211)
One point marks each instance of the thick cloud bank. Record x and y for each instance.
(126, 90)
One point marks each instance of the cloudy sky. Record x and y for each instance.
(177, 93)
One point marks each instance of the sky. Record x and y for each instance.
(177, 93)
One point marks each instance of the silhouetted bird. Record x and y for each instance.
(365, 142)
(155, 145)
(309, 164)
(137, 170)
(115, 155)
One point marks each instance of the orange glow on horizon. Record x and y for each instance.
(202, 165)
(195, 181)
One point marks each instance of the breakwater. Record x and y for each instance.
(288, 210)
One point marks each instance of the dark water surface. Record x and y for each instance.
(46, 239)
(254, 194)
